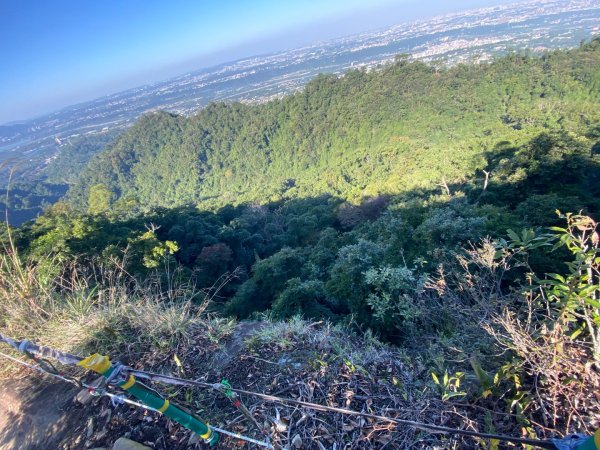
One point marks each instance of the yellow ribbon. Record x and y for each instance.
(96, 362)
(208, 434)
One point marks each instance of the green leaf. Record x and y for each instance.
(592, 302)
(513, 236)
(576, 333)
(559, 229)
(449, 395)
(178, 362)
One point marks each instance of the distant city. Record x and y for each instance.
(473, 36)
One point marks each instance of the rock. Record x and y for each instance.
(83, 397)
(297, 441)
(90, 428)
(194, 439)
(127, 444)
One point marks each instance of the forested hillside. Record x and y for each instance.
(404, 127)
(303, 197)
(411, 203)
(26, 195)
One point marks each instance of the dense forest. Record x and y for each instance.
(369, 171)
(404, 127)
(368, 199)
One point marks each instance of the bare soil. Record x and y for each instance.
(37, 414)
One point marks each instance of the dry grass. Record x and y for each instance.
(101, 309)
(337, 339)
(535, 368)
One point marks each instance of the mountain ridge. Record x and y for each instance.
(341, 127)
(259, 79)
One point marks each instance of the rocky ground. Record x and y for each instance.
(311, 362)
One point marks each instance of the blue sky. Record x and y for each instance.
(59, 52)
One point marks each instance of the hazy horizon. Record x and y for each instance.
(33, 88)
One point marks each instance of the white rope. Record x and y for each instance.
(220, 430)
(39, 369)
(239, 436)
(120, 398)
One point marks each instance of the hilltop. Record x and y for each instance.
(405, 127)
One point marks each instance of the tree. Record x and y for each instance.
(213, 262)
(346, 283)
(100, 199)
(305, 298)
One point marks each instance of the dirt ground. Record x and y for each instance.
(41, 414)
(37, 414)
